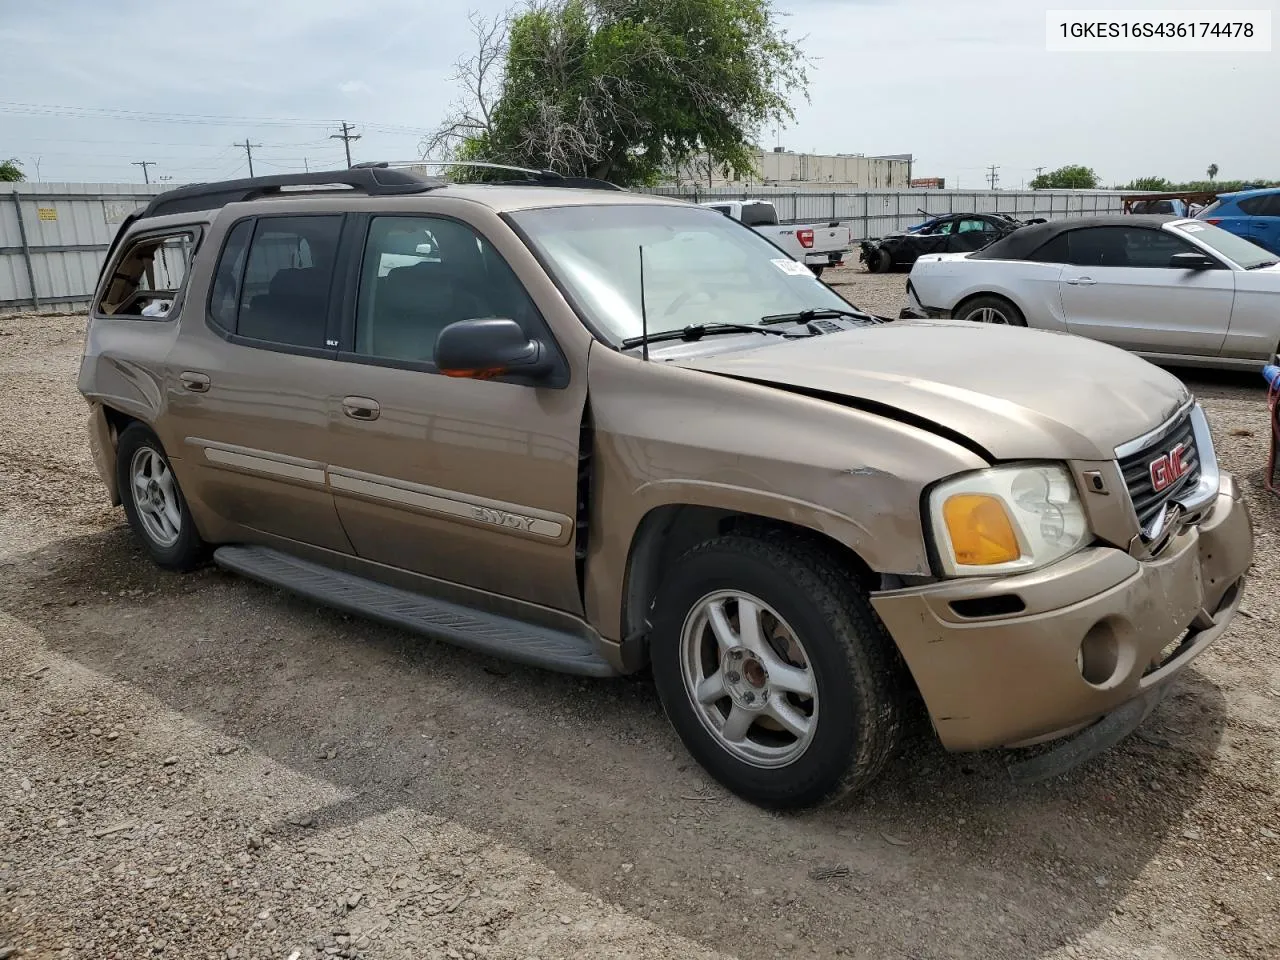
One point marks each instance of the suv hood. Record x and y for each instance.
(1016, 393)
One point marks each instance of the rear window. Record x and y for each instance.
(149, 275)
(759, 215)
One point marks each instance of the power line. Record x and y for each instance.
(152, 116)
(248, 152)
(144, 164)
(993, 175)
(346, 136)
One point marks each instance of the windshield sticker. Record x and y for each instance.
(793, 268)
(1193, 227)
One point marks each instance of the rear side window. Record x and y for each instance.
(148, 276)
(225, 296)
(759, 215)
(1053, 251)
(1254, 206)
(274, 277)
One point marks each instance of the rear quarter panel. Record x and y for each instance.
(945, 281)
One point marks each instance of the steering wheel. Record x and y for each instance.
(684, 298)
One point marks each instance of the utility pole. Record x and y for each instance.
(993, 176)
(248, 152)
(305, 165)
(143, 164)
(346, 136)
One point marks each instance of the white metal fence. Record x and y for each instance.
(53, 235)
(874, 213)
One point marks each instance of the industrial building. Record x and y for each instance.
(780, 167)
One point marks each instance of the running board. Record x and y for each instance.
(488, 633)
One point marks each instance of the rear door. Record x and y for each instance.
(1119, 287)
(248, 399)
(1264, 220)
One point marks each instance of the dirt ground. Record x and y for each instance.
(202, 767)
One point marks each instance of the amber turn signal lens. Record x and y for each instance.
(980, 530)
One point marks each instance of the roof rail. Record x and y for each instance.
(528, 175)
(373, 180)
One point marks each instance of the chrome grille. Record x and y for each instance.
(1136, 468)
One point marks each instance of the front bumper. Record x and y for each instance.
(1015, 679)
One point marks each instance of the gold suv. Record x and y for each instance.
(597, 432)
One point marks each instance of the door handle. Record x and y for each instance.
(1082, 281)
(195, 382)
(361, 408)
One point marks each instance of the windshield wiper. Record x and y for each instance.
(1265, 263)
(820, 313)
(697, 331)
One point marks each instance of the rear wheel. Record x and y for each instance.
(775, 671)
(153, 501)
(994, 310)
(881, 262)
(817, 270)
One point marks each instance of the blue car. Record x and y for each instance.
(1252, 214)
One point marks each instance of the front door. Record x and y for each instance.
(1119, 287)
(248, 403)
(470, 481)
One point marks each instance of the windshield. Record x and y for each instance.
(699, 267)
(1234, 248)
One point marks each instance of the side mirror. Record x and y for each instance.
(488, 348)
(1193, 261)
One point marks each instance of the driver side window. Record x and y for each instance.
(421, 274)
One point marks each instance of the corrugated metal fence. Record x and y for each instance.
(53, 235)
(878, 212)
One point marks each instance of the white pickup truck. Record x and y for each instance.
(816, 245)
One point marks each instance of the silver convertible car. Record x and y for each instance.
(1173, 290)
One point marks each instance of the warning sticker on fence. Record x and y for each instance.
(793, 268)
(47, 213)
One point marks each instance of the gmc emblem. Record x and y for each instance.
(1168, 468)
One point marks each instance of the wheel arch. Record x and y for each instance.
(970, 297)
(667, 531)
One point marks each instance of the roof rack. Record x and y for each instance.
(373, 180)
(528, 175)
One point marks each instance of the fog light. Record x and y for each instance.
(1099, 654)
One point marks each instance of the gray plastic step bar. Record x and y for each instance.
(488, 633)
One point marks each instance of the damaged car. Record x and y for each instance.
(950, 233)
(601, 432)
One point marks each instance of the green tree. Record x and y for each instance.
(1067, 178)
(11, 171)
(1213, 172)
(1156, 184)
(622, 89)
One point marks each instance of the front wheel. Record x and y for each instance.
(775, 671)
(995, 310)
(880, 262)
(153, 501)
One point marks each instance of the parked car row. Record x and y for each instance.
(599, 432)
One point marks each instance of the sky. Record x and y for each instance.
(88, 88)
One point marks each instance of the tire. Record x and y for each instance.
(881, 262)
(154, 503)
(817, 271)
(992, 307)
(854, 722)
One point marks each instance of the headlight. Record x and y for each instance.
(1007, 519)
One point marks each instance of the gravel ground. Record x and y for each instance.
(204, 767)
